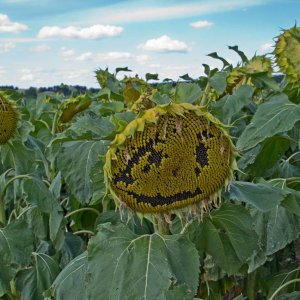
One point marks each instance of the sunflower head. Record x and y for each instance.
(8, 118)
(72, 106)
(169, 157)
(287, 55)
(242, 74)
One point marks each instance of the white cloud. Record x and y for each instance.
(2, 71)
(267, 47)
(85, 56)
(40, 48)
(5, 47)
(142, 59)
(67, 54)
(6, 25)
(26, 75)
(164, 44)
(93, 32)
(113, 56)
(201, 24)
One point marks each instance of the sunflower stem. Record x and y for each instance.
(161, 226)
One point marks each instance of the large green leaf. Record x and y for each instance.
(75, 162)
(16, 246)
(218, 82)
(235, 102)
(262, 196)
(38, 194)
(139, 267)
(32, 282)
(227, 235)
(275, 116)
(16, 243)
(276, 229)
(63, 287)
(187, 92)
(272, 149)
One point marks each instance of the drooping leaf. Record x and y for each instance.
(150, 76)
(216, 56)
(272, 149)
(227, 235)
(39, 194)
(33, 281)
(276, 229)
(273, 117)
(239, 52)
(262, 196)
(149, 263)
(63, 286)
(186, 77)
(16, 245)
(75, 162)
(73, 246)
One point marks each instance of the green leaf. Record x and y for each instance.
(63, 286)
(111, 107)
(72, 247)
(272, 149)
(181, 292)
(39, 194)
(216, 56)
(218, 82)
(125, 69)
(187, 92)
(186, 77)
(276, 229)
(32, 282)
(91, 126)
(138, 267)
(19, 157)
(262, 196)
(150, 76)
(227, 235)
(229, 105)
(291, 296)
(273, 117)
(161, 99)
(75, 162)
(239, 52)
(16, 245)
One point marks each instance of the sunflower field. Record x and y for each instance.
(156, 190)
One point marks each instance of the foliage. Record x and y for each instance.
(61, 236)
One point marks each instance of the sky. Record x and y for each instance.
(49, 42)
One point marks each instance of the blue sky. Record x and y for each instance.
(48, 42)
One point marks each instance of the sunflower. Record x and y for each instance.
(8, 118)
(169, 157)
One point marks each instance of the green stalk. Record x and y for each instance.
(160, 225)
(283, 286)
(2, 213)
(82, 209)
(3, 220)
